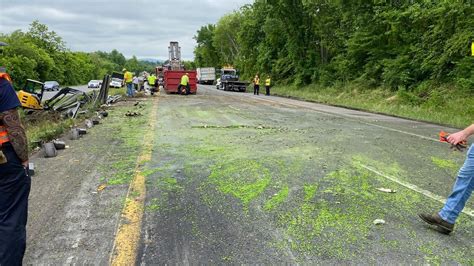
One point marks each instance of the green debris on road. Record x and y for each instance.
(277, 199)
(245, 180)
(302, 192)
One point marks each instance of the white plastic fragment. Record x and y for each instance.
(379, 221)
(386, 190)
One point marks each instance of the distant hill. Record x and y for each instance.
(151, 60)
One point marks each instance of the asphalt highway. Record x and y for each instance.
(233, 178)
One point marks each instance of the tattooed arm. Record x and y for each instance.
(16, 134)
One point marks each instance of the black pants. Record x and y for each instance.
(267, 88)
(15, 186)
(188, 89)
(256, 89)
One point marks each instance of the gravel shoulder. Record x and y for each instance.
(72, 220)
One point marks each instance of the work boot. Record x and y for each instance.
(440, 225)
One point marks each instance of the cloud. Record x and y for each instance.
(139, 27)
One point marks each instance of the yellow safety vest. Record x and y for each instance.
(151, 80)
(267, 82)
(128, 77)
(256, 81)
(184, 80)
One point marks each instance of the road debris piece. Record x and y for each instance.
(130, 113)
(68, 101)
(113, 99)
(386, 190)
(102, 114)
(49, 150)
(74, 134)
(59, 145)
(88, 123)
(379, 221)
(31, 169)
(101, 187)
(82, 131)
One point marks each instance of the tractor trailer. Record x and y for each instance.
(206, 75)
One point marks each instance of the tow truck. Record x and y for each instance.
(229, 80)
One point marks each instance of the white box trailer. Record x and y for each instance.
(206, 75)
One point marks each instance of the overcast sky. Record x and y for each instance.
(135, 27)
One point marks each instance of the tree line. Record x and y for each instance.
(41, 54)
(401, 45)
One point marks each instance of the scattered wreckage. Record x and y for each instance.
(69, 102)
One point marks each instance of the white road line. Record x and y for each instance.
(235, 108)
(347, 117)
(415, 188)
(401, 131)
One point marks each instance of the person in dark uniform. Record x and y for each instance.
(15, 182)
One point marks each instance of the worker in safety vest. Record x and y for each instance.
(184, 87)
(14, 179)
(128, 78)
(268, 83)
(256, 85)
(152, 83)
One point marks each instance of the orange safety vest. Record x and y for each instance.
(5, 76)
(3, 130)
(3, 135)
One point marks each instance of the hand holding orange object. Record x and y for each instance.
(457, 140)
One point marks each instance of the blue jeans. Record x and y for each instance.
(130, 91)
(462, 190)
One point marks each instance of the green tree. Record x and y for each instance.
(205, 54)
(42, 37)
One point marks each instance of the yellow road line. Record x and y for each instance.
(127, 238)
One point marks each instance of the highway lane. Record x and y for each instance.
(241, 179)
